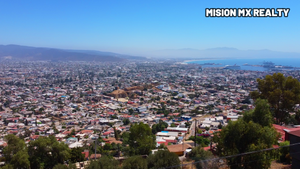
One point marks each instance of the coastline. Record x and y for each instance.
(189, 61)
(252, 64)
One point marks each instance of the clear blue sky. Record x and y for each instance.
(135, 27)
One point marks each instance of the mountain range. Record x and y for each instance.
(17, 52)
(219, 53)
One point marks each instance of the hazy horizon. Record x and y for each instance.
(142, 27)
(190, 53)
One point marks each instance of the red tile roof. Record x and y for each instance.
(86, 154)
(13, 119)
(66, 132)
(171, 141)
(93, 156)
(86, 131)
(107, 133)
(280, 129)
(112, 140)
(34, 137)
(178, 147)
(206, 148)
(110, 113)
(162, 143)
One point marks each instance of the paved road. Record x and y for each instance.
(192, 128)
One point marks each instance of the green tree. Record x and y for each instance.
(159, 127)
(261, 114)
(107, 146)
(281, 92)
(21, 159)
(135, 162)
(41, 110)
(240, 137)
(187, 124)
(163, 158)
(125, 138)
(63, 166)
(15, 152)
(220, 126)
(173, 125)
(200, 140)
(73, 132)
(130, 111)
(7, 166)
(116, 134)
(141, 140)
(60, 166)
(162, 146)
(126, 121)
(252, 132)
(55, 130)
(284, 153)
(46, 152)
(201, 157)
(76, 154)
(104, 163)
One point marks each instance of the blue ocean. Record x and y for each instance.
(293, 62)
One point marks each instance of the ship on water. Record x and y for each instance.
(208, 63)
(211, 64)
(268, 64)
(234, 67)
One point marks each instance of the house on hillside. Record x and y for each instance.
(179, 149)
(294, 137)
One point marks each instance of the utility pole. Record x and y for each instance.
(195, 131)
(183, 153)
(117, 96)
(95, 147)
(118, 151)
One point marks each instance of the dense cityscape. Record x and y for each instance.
(124, 112)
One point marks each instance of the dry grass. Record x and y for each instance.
(276, 165)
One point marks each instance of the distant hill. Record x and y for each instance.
(219, 53)
(95, 52)
(17, 52)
